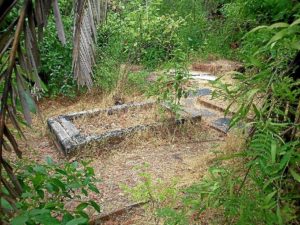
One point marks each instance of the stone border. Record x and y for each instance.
(117, 213)
(68, 138)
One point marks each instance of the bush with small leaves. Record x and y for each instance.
(47, 191)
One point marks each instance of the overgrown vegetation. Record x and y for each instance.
(263, 187)
(36, 193)
(49, 191)
(56, 61)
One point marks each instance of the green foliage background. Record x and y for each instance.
(164, 34)
(160, 34)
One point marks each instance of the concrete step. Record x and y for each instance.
(211, 113)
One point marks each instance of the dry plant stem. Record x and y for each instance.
(246, 176)
(11, 64)
(286, 111)
(272, 106)
(58, 22)
(297, 121)
(7, 86)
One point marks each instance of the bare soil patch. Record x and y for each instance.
(183, 154)
(217, 66)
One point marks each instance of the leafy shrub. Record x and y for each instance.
(137, 82)
(264, 188)
(192, 32)
(170, 89)
(146, 36)
(106, 72)
(161, 198)
(46, 190)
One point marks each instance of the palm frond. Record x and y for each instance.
(20, 61)
(88, 14)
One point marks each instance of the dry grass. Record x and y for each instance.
(104, 122)
(216, 66)
(38, 145)
(184, 152)
(235, 142)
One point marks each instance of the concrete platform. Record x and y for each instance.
(69, 139)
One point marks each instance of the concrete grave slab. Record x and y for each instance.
(202, 76)
(68, 138)
(200, 92)
(222, 123)
(197, 75)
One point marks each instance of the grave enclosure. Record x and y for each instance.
(69, 137)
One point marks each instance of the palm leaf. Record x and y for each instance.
(20, 59)
(87, 17)
(58, 23)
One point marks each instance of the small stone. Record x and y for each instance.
(201, 92)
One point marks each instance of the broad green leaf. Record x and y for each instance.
(75, 185)
(40, 169)
(51, 187)
(279, 35)
(75, 164)
(296, 22)
(46, 219)
(5, 204)
(285, 159)
(41, 193)
(77, 221)
(95, 206)
(295, 175)
(90, 171)
(53, 205)
(269, 197)
(84, 191)
(35, 212)
(20, 220)
(256, 29)
(295, 45)
(49, 160)
(38, 180)
(82, 206)
(61, 171)
(83, 214)
(58, 183)
(67, 217)
(279, 25)
(93, 188)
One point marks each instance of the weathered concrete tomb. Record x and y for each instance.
(72, 131)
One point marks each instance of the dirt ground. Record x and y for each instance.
(105, 122)
(184, 153)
